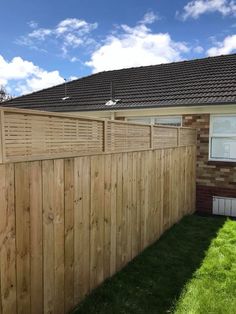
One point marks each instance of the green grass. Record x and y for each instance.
(173, 275)
(213, 287)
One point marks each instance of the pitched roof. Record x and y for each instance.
(196, 82)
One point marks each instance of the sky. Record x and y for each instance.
(44, 42)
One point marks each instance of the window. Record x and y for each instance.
(144, 120)
(169, 120)
(222, 144)
(160, 120)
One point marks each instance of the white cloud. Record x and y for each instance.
(40, 34)
(39, 80)
(228, 45)
(72, 78)
(195, 8)
(67, 34)
(74, 59)
(136, 46)
(17, 68)
(72, 40)
(33, 24)
(149, 18)
(198, 49)
(71, 24)
(22, 76)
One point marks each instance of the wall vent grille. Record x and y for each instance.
(224, 206)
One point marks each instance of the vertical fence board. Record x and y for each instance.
(138, 203)
(158, 194)
(107, 216)
(36, 236)
(48, 236)
(142, 200)
(82, 227)
(97, 221)
(7, 240)
(176, 182)
(69, 234)
(172, 188)
(119, 211)
(78, 228)
(113, 213)
(193, 178)
(146, 197)
(2, 231)
(152, 196)
(165, 189)
(134, 211)
(124, 211)
(86, 218)
(1, 309)
(129, 206)
(59, 243)
(22, 198)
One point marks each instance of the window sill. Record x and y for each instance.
(222, 163)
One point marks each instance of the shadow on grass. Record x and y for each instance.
(153, 281)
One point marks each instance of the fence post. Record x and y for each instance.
(105, 136)
(178, 137)
(2, 137)
(151, 136)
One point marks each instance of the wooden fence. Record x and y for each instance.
(69, 223)
(34, 135)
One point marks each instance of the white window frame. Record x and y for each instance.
(152, 118)
(211, 135)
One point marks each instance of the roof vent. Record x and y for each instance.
(65, 98)
(65, 91)
(112, 102)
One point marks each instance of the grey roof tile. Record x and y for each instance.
(196, 82)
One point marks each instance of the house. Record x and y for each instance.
(198, 93)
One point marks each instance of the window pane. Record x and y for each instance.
(224, 125)
(223, 148)
(144, 120)
(168, 120)
(163, 120)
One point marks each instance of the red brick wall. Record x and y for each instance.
(213, 178)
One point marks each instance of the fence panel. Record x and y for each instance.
(33, 135)
(68, 224)
(127, 137)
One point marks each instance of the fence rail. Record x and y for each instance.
(28, 135)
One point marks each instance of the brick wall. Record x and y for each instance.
(213, 177)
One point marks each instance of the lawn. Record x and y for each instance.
(191, 269)
(213, 287)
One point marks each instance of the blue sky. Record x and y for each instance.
(43, 42)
